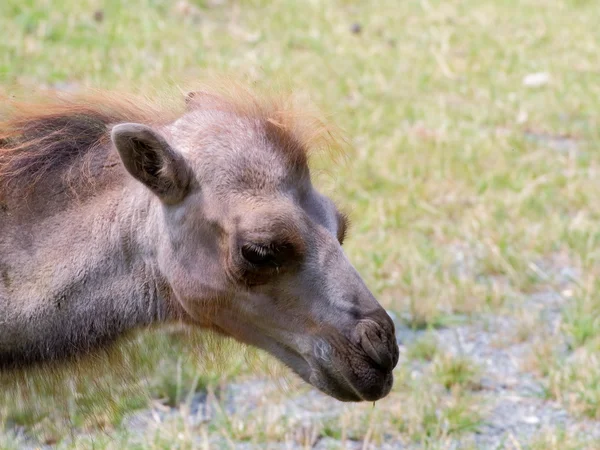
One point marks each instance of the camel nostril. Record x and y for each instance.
(377, 348)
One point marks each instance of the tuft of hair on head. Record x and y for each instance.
(62, 132)
(291, 113)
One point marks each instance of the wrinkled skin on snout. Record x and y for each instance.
(253, 251)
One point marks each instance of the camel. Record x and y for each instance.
(118, 213)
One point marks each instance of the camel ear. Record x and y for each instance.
(150, 159)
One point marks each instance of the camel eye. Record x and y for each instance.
(259, 255)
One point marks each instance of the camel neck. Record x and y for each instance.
(75, 282)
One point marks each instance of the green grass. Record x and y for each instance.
(456, 372)
(429, 416)
(424, 348)
(453, 202)
(165, 368)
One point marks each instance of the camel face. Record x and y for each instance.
(115, 215)
(253, 251)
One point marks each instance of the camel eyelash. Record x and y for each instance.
(343, 227)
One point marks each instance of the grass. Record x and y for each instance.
(456, 371)
(162, 368)
(424, 348)
(457, 185)
(560, 440)
(430, 416)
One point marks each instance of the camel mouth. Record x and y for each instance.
(348, 380)
(336, 379)
(343, 384)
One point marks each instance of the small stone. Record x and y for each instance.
(536, 79)
(51, 440)
(522, 117)
(531, 420)
(98, 15)
(356, 28)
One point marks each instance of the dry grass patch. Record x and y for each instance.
(559, 439)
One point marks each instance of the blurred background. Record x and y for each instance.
(472, 185)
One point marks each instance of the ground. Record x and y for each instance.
(472, 183)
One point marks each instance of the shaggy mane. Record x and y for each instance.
(58, 132)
